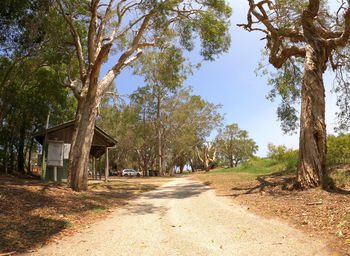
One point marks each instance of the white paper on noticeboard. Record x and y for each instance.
(66, 151)
(55, 153)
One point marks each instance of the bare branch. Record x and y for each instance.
(199, 155)
(278, 60)
(274, 36)
(74, 87)
(76, 40)
(344, 38)
(103, 22)
(92, 31)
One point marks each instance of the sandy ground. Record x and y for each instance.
(184, 217)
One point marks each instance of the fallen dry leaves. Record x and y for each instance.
(317, 212)
(34, 213)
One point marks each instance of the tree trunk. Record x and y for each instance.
(191, 164)
(231, 162)
(81, 142)
(171, 169)
(94, 168)
(20, 153)
(159, 134)
(10, 155)
(182, 168)
(30, 155)
(312, 142)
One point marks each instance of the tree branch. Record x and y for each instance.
(76, 41)
(278, 60)
(92, 31)
(344, 38)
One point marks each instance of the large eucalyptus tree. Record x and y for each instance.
(297, 30)
(127, 27)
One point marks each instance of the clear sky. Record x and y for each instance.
(231, 81)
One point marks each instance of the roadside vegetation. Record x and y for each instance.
(34, 213)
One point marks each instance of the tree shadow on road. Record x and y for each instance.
(179, 191)
(275, 183)
(145, 208)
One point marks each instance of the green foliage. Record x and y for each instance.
(31, 65)
(22, 24)
(280, 21)
(26, 98)
(186, 120)
(163, 68)
(276, 153)
(214, 35)
(292, 160)
(99, 209)
(286, 83)
(254, 166)
(68, 224)
(338, 149)
(234, 145)
(211, 23)
(341, 89)
(281, 154)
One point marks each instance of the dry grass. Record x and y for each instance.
(34, 213)
(317, 212)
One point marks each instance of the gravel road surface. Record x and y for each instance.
(185, 217)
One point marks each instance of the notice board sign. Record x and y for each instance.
(66, 151)
(55, 153)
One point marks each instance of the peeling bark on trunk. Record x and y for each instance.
(316, 41)
(81, 142)
(206, 160)
(312, 142)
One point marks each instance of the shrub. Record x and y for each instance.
(292, 160)
(338, 149)
(281, 154)
(276, 153)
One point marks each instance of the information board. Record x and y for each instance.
(55, 153)
(66, 151)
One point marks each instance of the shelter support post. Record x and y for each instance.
(107, 165)
(94, 167)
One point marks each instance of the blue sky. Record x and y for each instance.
(232, 82)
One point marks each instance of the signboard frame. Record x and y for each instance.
(55, 153)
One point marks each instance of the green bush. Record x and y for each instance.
(281, 154)
(291, 161)
(338, 149)
(276, 153)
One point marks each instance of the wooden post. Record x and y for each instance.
(107, 165)
(55, 173)
(94, 167)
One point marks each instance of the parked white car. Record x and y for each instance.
(130, 172)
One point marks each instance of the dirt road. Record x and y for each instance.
(185, 217)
